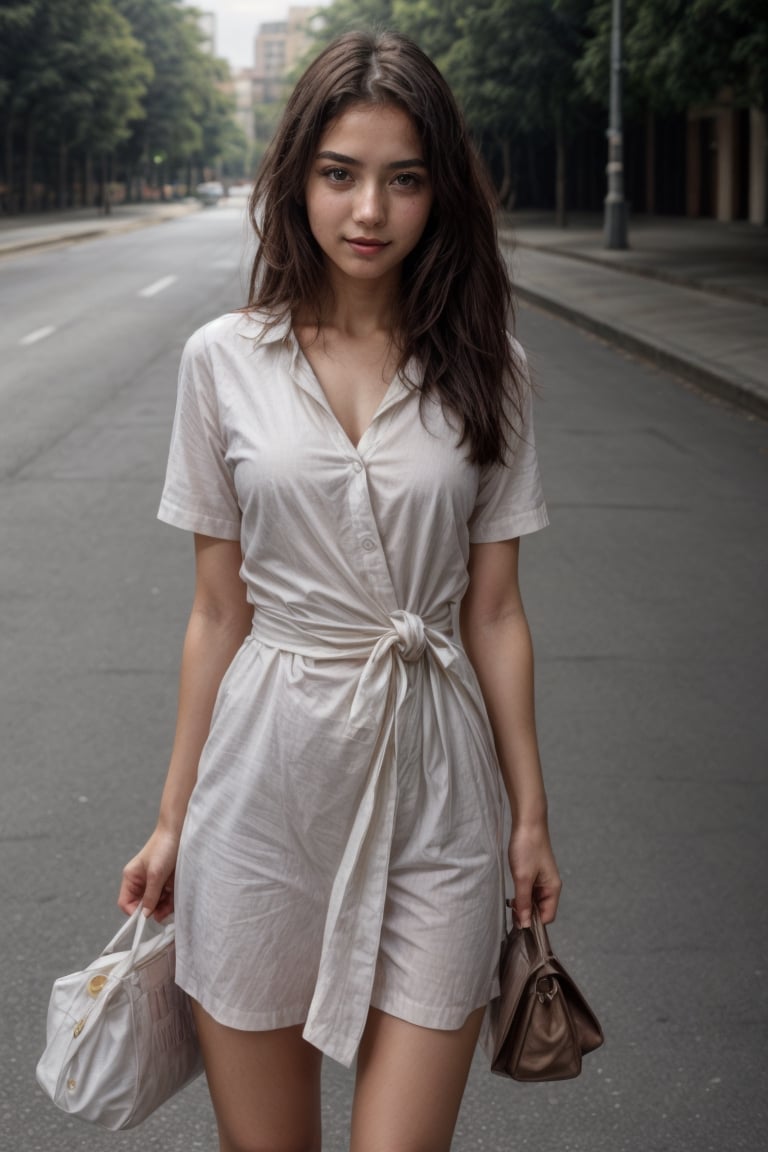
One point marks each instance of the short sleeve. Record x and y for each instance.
(510, 501)
(199, 493)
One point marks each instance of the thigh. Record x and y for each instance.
(410, 1081)
(265, 1087)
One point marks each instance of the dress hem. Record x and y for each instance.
(445, 1018)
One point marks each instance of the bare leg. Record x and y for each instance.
(410, 1081)
(265, 1087)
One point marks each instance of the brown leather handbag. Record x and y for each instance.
(541, 1024)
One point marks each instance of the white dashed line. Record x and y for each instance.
(38, 334)
(158, 286)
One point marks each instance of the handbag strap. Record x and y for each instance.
(536, 929)
(138, 923)
(543, 946)
(141, 924)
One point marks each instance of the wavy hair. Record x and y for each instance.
(455, 296)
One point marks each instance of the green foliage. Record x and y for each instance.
(73, 69)
(347, 15)
(510, 62)
(82, 78)
(682, 52)
(175, 101)
(265, 120)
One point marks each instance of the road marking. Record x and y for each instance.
(158, 286)
(38, 334)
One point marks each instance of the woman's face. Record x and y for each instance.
(368, 194)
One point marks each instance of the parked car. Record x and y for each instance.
(239, 191)
(209, 193)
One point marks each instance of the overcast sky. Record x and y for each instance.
(237, 22)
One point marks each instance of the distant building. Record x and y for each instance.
(726, 162)
(207, 24)
(240, 88)
(278, 47)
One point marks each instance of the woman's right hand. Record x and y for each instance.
(148, 878)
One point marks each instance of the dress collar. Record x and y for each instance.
(257, 325)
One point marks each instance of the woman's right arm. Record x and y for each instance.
(219, 621)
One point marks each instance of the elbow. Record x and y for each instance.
(222, 616)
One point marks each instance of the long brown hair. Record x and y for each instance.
(455, 299)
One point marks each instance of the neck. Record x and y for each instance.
(359, 308)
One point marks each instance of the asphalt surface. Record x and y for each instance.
(647, 598)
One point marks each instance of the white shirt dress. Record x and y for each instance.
(343, 844)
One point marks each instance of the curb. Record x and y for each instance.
(735, 392)
(742, 294)
(114, 227)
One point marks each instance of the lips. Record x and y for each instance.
(366, 244)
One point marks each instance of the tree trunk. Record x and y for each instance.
(128, 176)
(106, 207)
(61, 178)
(533, 175)
(29, 165)
(506, 191)
(560, 214)
(12, 198)
(88, 196)
(650, 162)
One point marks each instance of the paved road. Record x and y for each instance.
(647, 598)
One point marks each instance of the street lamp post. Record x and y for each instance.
(615, 228)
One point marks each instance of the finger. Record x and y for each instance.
(165, 904)
(521, 905)
(129, 897)
(547, 901)
(153, 892)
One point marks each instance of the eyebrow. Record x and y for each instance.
(416, 162)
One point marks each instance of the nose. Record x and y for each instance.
(369, 206)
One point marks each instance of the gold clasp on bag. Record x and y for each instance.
(95, 984)
(78, 1028)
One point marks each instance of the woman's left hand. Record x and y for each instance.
(534, 873)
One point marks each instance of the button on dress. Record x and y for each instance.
(342, 846)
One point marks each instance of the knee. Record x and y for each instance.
(257, 1144)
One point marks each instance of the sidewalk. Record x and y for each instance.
(690, 295)
(49, 229)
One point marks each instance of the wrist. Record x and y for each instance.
(170, 824)
(532, 817)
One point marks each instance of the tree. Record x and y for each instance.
(72, 73)
(347, 15)
(511, 64)
(682, 52)
(170, 133)
(80, 79)
(17, 21)
(102, 74)
(223, 143)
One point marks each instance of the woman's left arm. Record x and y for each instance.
(497, 640)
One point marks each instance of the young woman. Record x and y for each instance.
(354, 453)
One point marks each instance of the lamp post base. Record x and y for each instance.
(615, 223)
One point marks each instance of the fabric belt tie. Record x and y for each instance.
(339, 1008)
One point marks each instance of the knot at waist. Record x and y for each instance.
(411, 637)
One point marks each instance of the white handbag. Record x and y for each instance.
(120, 1035)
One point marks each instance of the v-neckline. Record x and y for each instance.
(395, 384)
